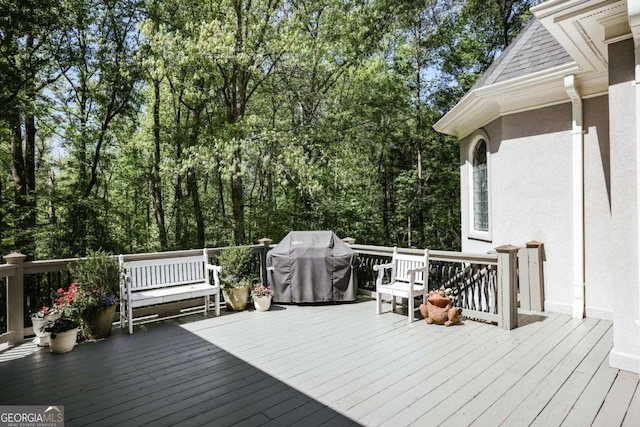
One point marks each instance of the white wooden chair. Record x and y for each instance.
(409, 278)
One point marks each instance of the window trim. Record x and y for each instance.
(475, 140)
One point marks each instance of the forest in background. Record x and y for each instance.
(147, 125)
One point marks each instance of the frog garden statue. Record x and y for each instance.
(439, 310)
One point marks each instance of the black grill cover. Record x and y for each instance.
(312, 266)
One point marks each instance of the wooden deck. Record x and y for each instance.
(332, 365)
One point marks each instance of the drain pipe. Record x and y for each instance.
(577, 137)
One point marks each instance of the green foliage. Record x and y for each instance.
(98, 280)
(173, 125)
(235, 264)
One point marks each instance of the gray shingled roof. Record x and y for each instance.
(533, 50)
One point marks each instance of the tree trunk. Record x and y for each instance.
(192, 183)
(158, 205)
(23, 176)
(419, 142)
(192, 186)
(237, 196)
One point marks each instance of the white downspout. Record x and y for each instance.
(577, 137)
(634, 24)
(637, 90)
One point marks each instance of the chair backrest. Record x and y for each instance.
(402, 263)
(161, 273)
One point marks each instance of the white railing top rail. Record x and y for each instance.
(7, 270)
(62, 264)
(434, 255)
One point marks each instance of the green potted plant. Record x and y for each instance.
(98, 281)
(234, 276)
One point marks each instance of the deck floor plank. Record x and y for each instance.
(522, 403)
(560, 405)
(331, 365)
(501, 364)
(632, 418)
(499, 399)
(590, 401)
(615, 405)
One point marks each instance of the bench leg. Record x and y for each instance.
(378, 303)
(122, 315)
(130, 318)
(217, 303)
(393, 303)
(206, 304)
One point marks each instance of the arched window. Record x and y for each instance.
(479, 196)
(480, 187)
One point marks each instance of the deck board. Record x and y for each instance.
(565, 397)
(617, 402)
(332, 365)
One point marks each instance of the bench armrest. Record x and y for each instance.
(216, 273)
(215, 268)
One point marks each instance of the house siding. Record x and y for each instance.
(625, 240)
(597, 216)
(531, 195)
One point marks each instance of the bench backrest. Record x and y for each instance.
(402, 263)
(162, 273)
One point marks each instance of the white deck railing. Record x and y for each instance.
(485, 285)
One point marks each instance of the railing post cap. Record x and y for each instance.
(506, 248)
(15, 258)
(349, 240)
(265, 241)
(534, 244)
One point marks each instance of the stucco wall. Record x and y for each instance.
(531, 195)
(625, 238)
(597, 216)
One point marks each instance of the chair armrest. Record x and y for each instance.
(382, 266)
(272, 268)
(424, 269)
(380, 269)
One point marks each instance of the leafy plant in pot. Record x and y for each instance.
(98, 280)
(63, 330)
(234, 280)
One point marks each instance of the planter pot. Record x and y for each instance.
(63, 342)
(236, 298)
(262, 303)
(42, 338)
(97, 322)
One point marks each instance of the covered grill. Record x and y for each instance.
(312, 266)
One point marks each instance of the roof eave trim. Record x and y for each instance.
(481, 106)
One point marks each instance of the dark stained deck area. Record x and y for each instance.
(331, 365)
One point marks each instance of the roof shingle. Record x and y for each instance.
(533, 50)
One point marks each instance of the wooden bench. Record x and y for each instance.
(409, 278)
(158, 281)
